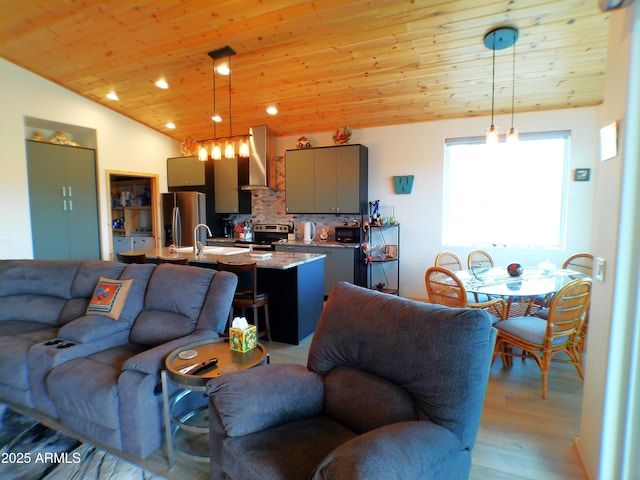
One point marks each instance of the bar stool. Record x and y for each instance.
(132, 258)
(174, 260)
(247, 295)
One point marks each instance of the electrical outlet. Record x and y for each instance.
(598, 269)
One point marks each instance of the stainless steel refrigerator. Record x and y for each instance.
(181, 212)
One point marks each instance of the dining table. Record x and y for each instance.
(520, 292)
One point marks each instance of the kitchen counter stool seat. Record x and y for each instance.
(247, 295)
(174, 261)
(132, 258)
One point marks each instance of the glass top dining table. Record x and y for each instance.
(532, 283)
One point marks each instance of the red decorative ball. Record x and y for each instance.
(514, 269)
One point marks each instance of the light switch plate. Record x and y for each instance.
(598, 269)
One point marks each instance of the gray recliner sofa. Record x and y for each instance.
(106, 385)
(393, 389)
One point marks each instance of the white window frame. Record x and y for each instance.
(490, 207)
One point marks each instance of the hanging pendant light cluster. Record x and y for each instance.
(230, 140)
(499, 39)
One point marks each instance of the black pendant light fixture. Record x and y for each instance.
(229, 141)
(499, 39)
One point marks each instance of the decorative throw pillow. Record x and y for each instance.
(108, 298)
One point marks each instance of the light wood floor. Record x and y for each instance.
(521, 435)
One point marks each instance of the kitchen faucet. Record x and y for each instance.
(197, 246)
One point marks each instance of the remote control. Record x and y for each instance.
(196, 368)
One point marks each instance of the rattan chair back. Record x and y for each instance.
(580, 262)
(444, 288)
(479, 258)
(448, 260)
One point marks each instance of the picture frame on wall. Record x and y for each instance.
(582, 174)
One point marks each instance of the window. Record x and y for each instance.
(506, 195)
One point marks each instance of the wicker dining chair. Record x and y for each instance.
(444, 288)
(479, 258)
(448, 260)
(582, 263)
(542, 339)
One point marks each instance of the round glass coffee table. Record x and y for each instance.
(186, 406)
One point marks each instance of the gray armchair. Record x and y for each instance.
(393, 389)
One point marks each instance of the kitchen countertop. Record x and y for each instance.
(278, 261)
(315, 243)
(320, 243)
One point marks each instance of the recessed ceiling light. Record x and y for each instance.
(272, 110)
(112, 96)
(162, 83)
(171, 125)
(216, 118)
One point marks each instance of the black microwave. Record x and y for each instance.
(348, 234)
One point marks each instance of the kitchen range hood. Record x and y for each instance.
(262, 175)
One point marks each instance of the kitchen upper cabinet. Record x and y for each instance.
(185, 172)
(225, 185)
(299, 181)
(63, 202)
(228, 175)
(327, 180)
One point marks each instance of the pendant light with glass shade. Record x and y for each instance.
(499, 39)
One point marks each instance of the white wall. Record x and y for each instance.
(122, 144)
(609, 399)
(418, 149)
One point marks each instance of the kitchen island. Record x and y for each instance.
(294, 282)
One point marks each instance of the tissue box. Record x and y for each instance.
(243, 340)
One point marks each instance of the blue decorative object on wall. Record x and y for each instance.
(403, 183)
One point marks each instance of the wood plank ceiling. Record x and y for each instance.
(323, 63)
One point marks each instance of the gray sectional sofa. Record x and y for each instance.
(100, 376)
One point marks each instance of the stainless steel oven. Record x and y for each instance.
(265, 235)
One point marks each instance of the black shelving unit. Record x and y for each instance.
(383, 259)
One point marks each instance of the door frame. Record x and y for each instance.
(156, 219)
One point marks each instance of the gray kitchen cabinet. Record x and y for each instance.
(300, 181)
(338, 264)
(121, 244)
(63, 201)
(225, 185)
(327, 180)
(142, 243)
(185, 172)
(337, 179)
(128, 244)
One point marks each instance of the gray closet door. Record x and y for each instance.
(63, 202)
